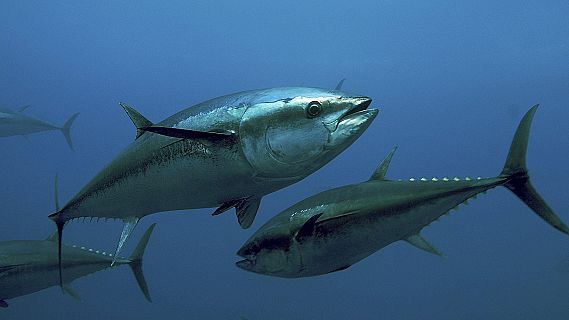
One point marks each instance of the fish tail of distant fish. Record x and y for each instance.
(66, 130)
(517, 178)
(136, 262)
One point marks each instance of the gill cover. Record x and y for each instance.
(280, 138)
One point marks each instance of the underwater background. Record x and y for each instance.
(451, 81)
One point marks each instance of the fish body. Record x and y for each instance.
(226, 152)
(337, 228)
(14, 123)
(28, 266)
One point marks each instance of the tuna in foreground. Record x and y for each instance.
(226, 152)
(17, 123)
(335, 229)
(30, 266)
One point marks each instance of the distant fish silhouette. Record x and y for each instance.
(335, 229)
(27, 266)
(16, 123)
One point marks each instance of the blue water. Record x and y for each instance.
(452, 81)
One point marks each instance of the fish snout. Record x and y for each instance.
(245, 264)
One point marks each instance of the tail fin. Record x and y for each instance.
(136, 264)
(60, 224)
(66, 130)
(518, 180)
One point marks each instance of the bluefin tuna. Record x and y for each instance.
(335, 229)
(28, 266)
(16, 123)
(227, 152)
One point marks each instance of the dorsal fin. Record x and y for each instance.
(381, 171)
(339, 85)
(307, 228)
(139, 120)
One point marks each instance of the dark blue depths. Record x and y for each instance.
(451, 81)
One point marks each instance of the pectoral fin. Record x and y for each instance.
(3, 304)
(226, 206)
(418, 241)
(189, 134)
(307, 228)
(246, 211)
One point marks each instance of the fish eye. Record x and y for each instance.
(314, 109)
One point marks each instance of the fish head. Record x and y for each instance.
(271, 251)
(289, 133)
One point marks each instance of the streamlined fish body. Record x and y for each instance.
(226, 152)
(337, 228)
(28, 266)
(14, 123)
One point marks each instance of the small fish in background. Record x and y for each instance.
(28, 266)
(335, 229)
(227, 152)
(16, 123)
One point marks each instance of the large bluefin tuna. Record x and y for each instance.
(227, 152)
(28, 266)
(16, 123)
(335, 229)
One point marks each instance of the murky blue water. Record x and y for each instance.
(451, 79)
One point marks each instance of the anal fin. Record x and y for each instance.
(70, 291)
(129, 225)
(419, 242)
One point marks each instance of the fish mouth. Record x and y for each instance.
(359, 110)
(360, 105)
(248, 262)
(245, 264)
